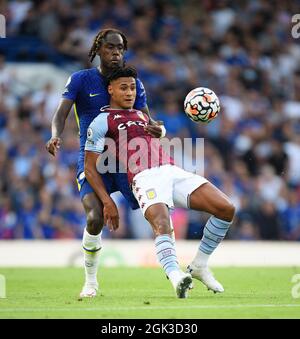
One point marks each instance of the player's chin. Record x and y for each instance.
(115, 64)
(128, 104)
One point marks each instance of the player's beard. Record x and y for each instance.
(107, 68)
(117, 65)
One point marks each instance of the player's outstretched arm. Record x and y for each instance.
(155, 128)
(110, 210)
(58, 124)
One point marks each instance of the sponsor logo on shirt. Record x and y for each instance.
(131, 123)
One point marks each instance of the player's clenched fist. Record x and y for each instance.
(156, 129)
(53, 145)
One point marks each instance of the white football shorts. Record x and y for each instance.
(166, 184)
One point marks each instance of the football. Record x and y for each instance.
(201, 105)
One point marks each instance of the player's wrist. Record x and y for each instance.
(107, 201)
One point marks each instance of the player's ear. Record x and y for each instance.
(109, 89)
(98, 51)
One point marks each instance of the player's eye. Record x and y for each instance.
(119, 47)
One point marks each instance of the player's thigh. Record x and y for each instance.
(153, 186)
(185, 183)
(210, 199)
(159, 218)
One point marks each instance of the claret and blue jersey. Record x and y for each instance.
(135, 150)
(88, 89)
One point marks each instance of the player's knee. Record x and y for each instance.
(226, 212)
(161, 225)
(94, 222)
(230, 211)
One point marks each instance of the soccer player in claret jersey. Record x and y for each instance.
(87, 90)
(156, 182)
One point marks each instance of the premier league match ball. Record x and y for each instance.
(202, 105)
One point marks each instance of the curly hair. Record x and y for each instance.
(100, 37)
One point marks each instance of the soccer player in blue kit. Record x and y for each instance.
(87, 90)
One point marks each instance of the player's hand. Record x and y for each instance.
(156, 129)
(53, 145)
(111, 215)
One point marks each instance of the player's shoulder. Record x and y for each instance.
(140, 88)
(100, 118)
(83, 73)
(139, 82)
(99, 126)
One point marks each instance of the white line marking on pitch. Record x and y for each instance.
(133, 308)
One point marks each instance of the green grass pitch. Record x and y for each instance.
(145, 293)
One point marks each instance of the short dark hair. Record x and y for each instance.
(100, 37)
(121, 72)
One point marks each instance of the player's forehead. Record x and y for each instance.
(113, 39)
(125, 81)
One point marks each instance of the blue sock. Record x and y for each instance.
(166, 253)
(214, 232)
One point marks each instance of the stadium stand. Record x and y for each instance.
(244, 51)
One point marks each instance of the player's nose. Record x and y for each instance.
(116, 51)
(129, 95)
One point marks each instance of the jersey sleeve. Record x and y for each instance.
(96, 134)
(72, 86)
(141, 98)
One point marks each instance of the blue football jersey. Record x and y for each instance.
(88, 89)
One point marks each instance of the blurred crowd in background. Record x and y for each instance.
(243, 50)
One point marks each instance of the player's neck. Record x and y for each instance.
(100, 69)
(119, 108)
(104, 70)
(114, 105)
